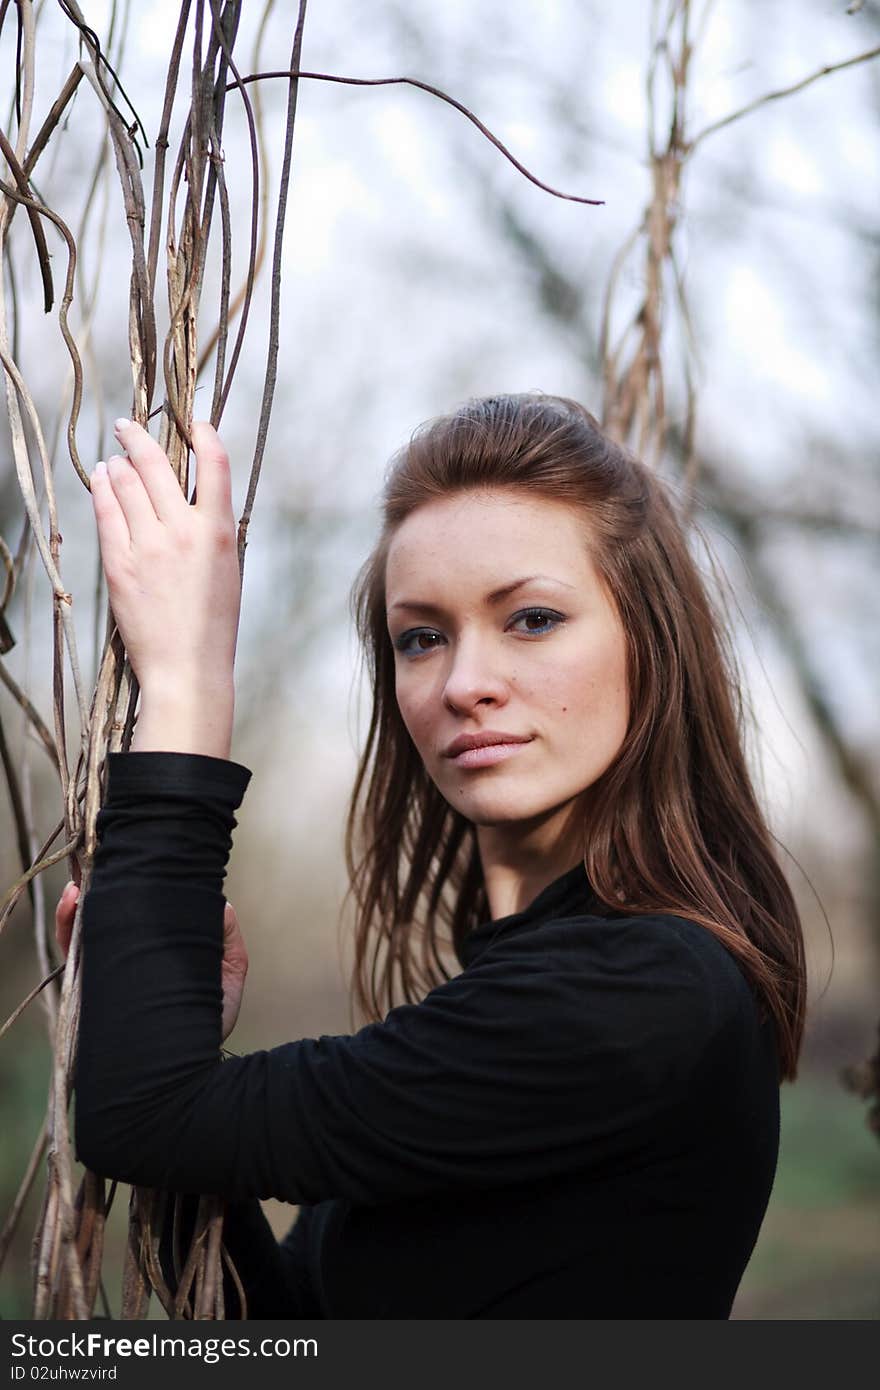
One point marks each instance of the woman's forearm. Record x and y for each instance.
(185, 720)
(152, 949)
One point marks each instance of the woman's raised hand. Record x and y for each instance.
(233, 971)
(172, 569)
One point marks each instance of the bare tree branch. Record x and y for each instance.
(781, 92)
(443, 96)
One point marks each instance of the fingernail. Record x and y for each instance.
(117, 458)
(100, 469)
(121, 424)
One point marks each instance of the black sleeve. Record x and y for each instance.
(566, 1048)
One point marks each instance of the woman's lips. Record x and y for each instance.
(485, 757)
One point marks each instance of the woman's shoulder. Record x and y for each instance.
(648, 934)
(652, 964)
(643, 937)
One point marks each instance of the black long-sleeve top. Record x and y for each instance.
(583, 1123)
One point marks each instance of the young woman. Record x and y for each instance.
(582, 965)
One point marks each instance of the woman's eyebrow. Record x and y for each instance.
(495, 596)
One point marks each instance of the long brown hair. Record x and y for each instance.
(673, 825)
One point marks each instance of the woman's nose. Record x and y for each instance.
(474, 676)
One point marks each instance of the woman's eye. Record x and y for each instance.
(544, 616)
(405, 642)
(421, 639)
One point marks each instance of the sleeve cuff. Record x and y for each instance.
(179, 776)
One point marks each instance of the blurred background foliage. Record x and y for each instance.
(419, 269)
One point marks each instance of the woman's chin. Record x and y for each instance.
(489, 808)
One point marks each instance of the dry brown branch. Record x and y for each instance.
(241, 300)
(93, 46)
(194, 1261)
(12, 895)
(92, 1212)
(782, 92)
(632, 354)
(162, 146)
(222, 384)
(69, 1239)
(634, 409)
(36, 226)
(49, 550)
(293, 72)
(10, 1225)
(20, 1008)
(275, 304)
(142, 320)
(33, 715)
(239, 1289)
(67, 299)
(7, 642)
(18, 812)
(56, 111)
(18, 395)
(145, 1273)
(135, 1285)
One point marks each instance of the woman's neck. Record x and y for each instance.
(520, 859)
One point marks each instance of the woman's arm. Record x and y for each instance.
(566, 1048)
(187, 719)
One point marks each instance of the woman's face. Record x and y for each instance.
(544, 663)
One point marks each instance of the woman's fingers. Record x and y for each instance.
(63, 929)
(64, 915)
(233, 970)
(172, 573)
(146, 488)
(235, 956)
(113, 533)
(213, 475)
(131, 496)
(151, 466)
(234, 949)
